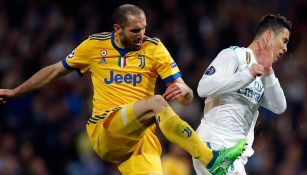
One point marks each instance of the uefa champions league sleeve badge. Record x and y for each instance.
(210, 71)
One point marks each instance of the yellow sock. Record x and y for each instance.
(181, 133)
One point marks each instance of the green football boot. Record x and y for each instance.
(224, 157)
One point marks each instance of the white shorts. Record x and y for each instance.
(237, 168)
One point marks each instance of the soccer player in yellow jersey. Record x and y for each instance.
(124, 65)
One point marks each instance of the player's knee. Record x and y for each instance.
(158, 102)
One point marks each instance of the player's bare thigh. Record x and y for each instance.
(146, 110)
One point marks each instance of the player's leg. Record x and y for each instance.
(113, 138)
(145, 159)
(156, 109)
(235, 168)
(199, 168)
(180, 133)
(138, 141)
(118, 137)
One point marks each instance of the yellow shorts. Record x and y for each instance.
(118, 137)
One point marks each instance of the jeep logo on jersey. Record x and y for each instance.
(133, 79)
(210, 71)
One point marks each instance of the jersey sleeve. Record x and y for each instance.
(222, 75)
(165, 65)
(273, 98)
(79, 59)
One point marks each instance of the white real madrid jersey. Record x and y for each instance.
(234, 96)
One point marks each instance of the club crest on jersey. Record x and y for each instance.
(210, 71)
(248, 57)
(142, 61)
(122, 61)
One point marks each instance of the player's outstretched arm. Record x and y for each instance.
(178, 90)
(38, 80)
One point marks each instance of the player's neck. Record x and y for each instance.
(118, 42)
(253, 46)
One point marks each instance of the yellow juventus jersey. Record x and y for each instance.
(120, 76)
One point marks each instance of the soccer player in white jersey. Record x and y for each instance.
(237, 83)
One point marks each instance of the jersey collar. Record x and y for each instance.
(121, 51)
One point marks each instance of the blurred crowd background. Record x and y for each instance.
(43, 132)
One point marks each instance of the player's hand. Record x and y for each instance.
(5, 95)
(176, 91)
(256, 70)
(264, 54)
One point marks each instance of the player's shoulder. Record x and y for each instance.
(240, 53)
(101, 36)
(94, 40)
(235, 50)
(151, 40)
(230, 51)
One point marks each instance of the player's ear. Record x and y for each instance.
(268, 33)
(117, 28)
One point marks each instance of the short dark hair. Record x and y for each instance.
(120, 14)
(274, 21)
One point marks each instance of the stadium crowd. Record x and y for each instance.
(43, 133)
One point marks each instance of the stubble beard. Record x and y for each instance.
(128, 44)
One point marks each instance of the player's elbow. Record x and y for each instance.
(199, 91)
(202, 91)
(282, 108)
(205, 90)
(206, 87)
